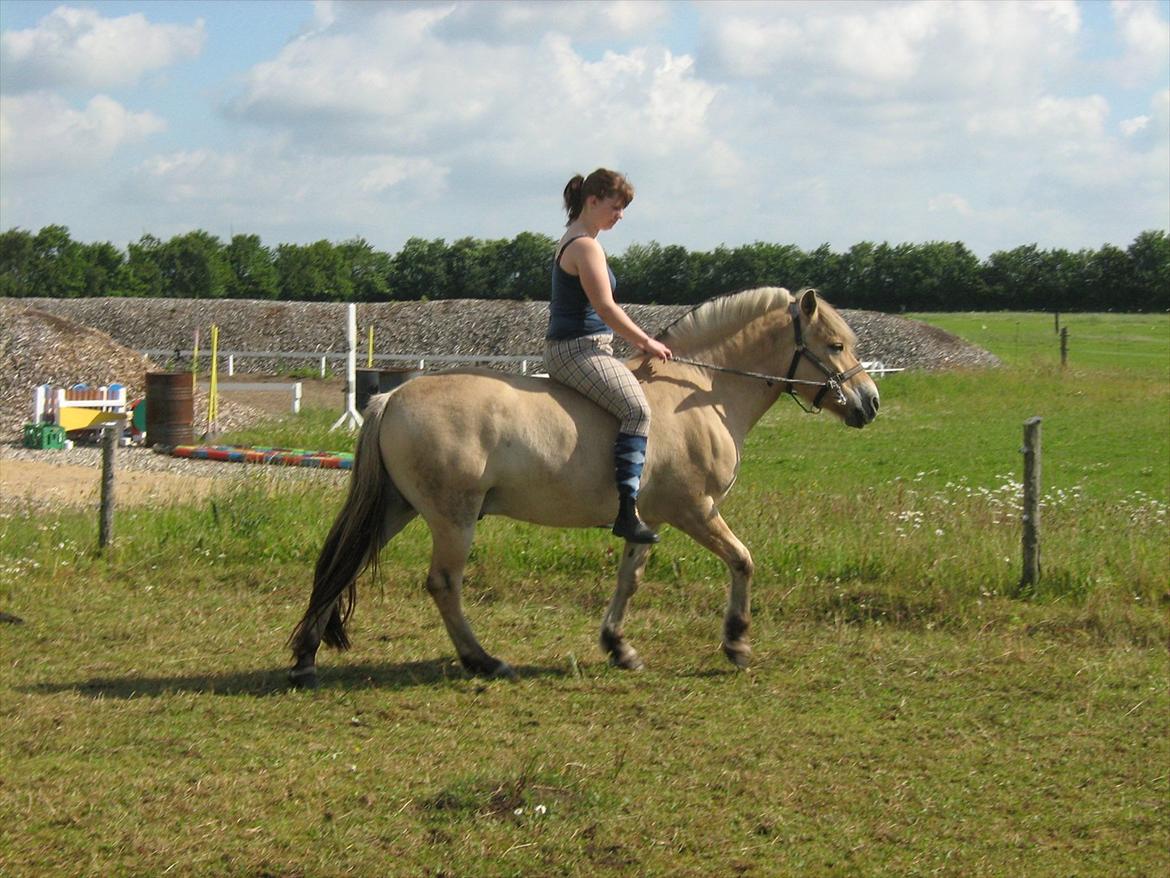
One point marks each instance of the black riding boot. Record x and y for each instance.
(629, 455)
(628, 526)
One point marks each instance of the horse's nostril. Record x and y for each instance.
(876, 403)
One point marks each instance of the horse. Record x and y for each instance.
(455, 446)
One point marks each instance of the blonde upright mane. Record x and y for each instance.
(713, 321)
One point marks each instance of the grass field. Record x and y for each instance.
(910, 711)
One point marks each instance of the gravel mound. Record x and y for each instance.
(97, 341)
(460, 327)
(38, 347)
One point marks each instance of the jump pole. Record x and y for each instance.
(350, 417)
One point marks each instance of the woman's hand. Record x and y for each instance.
(655, 348)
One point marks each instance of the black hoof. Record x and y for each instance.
(488, 667)
(303, 678)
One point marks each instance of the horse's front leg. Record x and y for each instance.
(629, 576)
(711, 532)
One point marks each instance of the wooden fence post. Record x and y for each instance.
(1063, 346)
(110, 436)
(1031, 514)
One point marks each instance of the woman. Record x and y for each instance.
(582, 321)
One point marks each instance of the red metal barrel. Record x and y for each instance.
(170, 408)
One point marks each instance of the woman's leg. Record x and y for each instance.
(588, 366)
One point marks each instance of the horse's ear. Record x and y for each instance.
(808, 303)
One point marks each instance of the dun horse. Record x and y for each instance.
(456, 446)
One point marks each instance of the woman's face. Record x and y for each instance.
(607, 210)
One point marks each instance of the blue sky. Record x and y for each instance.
(992, 123)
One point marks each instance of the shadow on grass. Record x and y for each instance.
(366, 675)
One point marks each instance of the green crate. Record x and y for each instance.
(44, 436)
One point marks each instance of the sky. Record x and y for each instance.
(996, 124)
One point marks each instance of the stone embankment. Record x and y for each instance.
(97, 341)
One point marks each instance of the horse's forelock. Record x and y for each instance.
(715, 319)
(833, 323)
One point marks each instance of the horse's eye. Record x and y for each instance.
(836, 347)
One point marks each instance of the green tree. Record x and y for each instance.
(252, 269)
(16, 263)
(58, 267)
(141, 274)
(194, 266)
(525, 263)
(313, 272)
(1149, 261)
(653, 273)
(369, 270)
(103, 262)
(420, 271)
(474, 268)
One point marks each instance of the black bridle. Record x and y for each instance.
(833, 380)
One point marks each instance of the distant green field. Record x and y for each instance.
(911, 711)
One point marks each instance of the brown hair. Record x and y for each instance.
(601, 184)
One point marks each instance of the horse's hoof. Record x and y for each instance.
(303, 678)
(627, 659)
(739, 654)
(488, 667)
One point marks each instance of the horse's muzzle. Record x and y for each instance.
(863, 408)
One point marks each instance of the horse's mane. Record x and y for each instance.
(714, 320)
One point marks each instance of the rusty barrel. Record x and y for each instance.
(375, 381)
(170, 408)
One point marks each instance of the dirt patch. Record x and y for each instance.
(56, 485)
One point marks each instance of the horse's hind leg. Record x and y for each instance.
(452, 544)
(712, 532)
(629, 576)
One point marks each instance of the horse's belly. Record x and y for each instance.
(553, 505)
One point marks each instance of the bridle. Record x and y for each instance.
(833, 380)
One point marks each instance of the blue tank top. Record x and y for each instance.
(570, 314)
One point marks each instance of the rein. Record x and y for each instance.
(833, 380)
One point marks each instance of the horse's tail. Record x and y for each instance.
(354, 541)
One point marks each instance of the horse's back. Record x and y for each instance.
(535, 449)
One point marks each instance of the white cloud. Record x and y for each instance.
(1145, 39)
(890, 51)
(41, 133)
(273, 184)
(1060, 119)
(946, 202)
(73, 47)
(400, 83)
(1130, 127)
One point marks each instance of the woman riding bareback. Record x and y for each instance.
(583, 318)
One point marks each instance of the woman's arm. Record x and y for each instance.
(589, 260)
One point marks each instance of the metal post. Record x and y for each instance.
(110, 436)
(322, 367)
(231, 365)
(1063, 346)
(1031, 514)
(297, 398)
(350, 417)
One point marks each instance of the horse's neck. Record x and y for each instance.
(744, 399)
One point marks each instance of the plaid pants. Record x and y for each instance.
(588, 366)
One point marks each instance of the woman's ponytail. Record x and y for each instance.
(574, 200)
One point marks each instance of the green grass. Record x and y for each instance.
(910, 712)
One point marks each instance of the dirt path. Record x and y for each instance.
(29, 481)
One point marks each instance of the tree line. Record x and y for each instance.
(935, 276)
